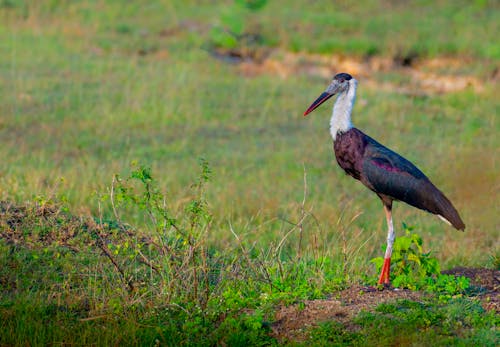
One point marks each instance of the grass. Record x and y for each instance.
(87, 88)
(413, 323)
(82, 123)
(68, 280)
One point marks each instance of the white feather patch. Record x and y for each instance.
(342, 109)
(444, 219)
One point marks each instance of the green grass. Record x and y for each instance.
(87, 88)
(58, 286)
(460, 323)
(83, 104)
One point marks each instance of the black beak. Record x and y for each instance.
(321, 99)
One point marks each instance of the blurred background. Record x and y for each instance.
(89, 87)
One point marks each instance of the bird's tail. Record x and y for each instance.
(446, 211)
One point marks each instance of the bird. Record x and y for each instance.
(383, 171)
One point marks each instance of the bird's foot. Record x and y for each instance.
(384, 278)
(384, 286)
(376, 288)
(368, 289)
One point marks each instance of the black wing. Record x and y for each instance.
(389, 174)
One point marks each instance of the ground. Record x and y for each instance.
(291, 322)
(488, 280)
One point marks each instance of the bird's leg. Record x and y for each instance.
(384, 275)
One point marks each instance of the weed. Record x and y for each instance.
(412, 268)
(293, 275)
(166, 285)
(409, 264)
(447, 286)
(173, 257)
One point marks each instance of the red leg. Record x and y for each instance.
(385, 277)
(385, 274)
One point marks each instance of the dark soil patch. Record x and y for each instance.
(252, 55)
(486, 281)
(34, 225)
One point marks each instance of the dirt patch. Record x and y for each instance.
(426, 76)
(487, 283)
(32, 225)
(488, 279)
(292, 322)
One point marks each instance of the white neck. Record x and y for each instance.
(341, 116)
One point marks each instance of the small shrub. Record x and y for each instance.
(172, 259)
(415, 269)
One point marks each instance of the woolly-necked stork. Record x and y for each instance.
(385, 172)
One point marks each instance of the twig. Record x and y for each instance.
(102, 246)
(112, 198)
(295, 226)
(93, 318)
(247, 258)
(302, 213)
(147, 262)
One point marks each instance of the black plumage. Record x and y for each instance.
(391, 176)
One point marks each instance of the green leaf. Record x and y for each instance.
(222, 38)
(433, 267)
(412, 268)
(415, 258)
(402, 243)
(379, 261)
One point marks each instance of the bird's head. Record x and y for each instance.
(340, 83)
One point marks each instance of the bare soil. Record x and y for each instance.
(292, 322)
(426, 75)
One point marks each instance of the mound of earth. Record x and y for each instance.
(292, 322)
(487, 281)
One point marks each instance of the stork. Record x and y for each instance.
(382, 170)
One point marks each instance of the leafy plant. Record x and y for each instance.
(409, 264)
(413, 268)
(172, 259)
(447, 286)
(234, 30)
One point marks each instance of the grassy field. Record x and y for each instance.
(88, 88)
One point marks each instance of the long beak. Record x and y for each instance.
(321, 99)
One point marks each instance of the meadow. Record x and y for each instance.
(197, 107)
